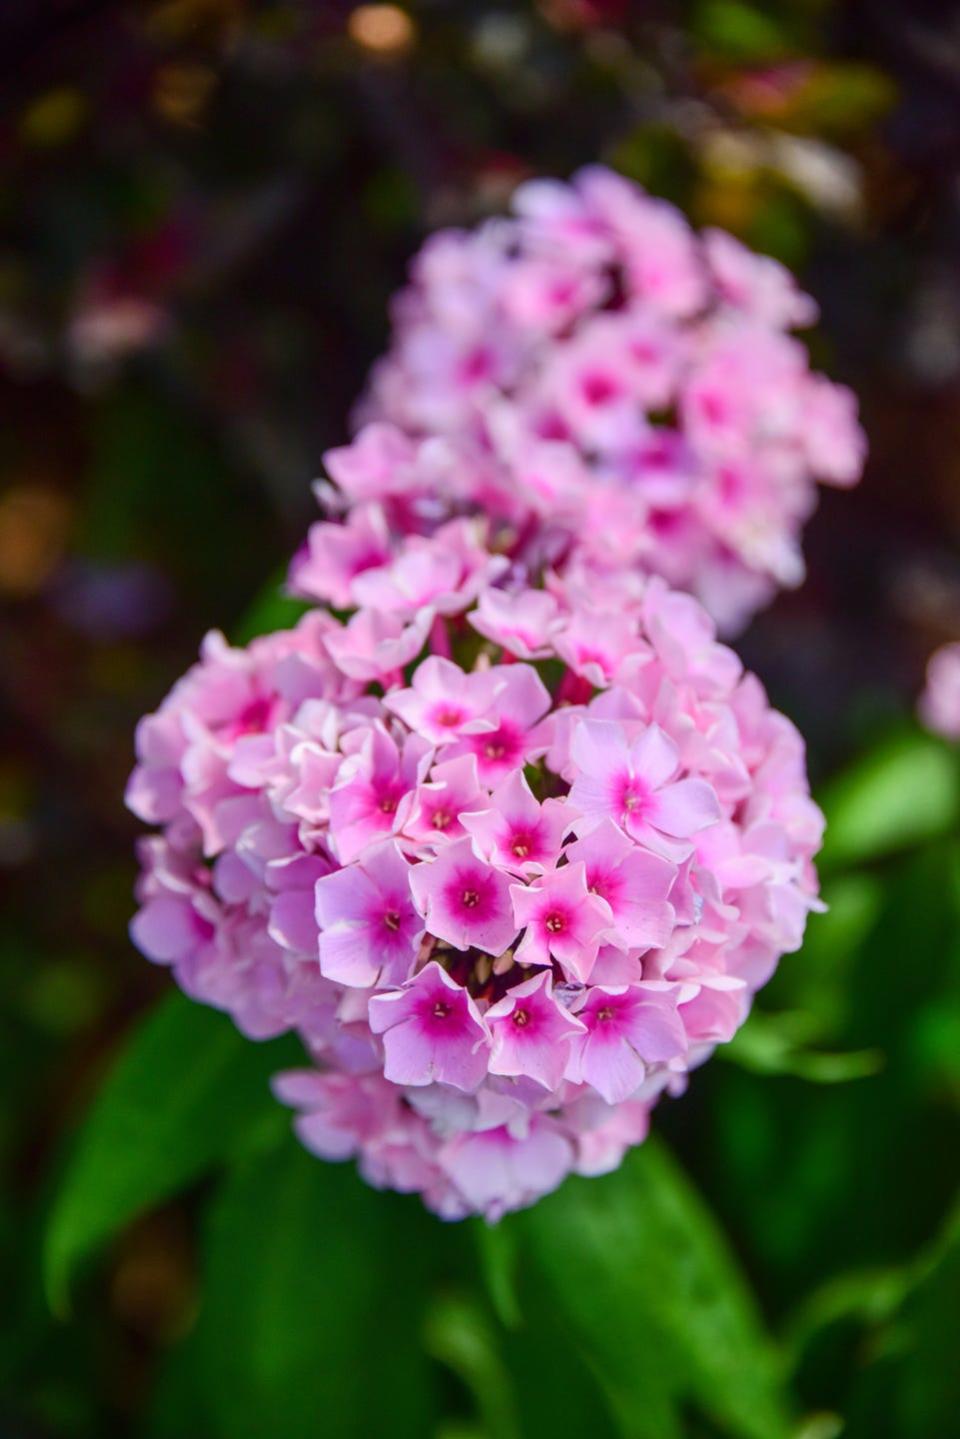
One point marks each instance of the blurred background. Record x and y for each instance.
(205, 207)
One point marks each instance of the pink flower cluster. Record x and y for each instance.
(506, 899)
(940, 702)
(592, 374)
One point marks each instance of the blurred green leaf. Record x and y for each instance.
(906, 1376)
(778, 1044)
(315, 1293)
(187, 1091)
(498, 1262)
(738, 31)
(901, 793)
(647, 1288)
(851, 1175)
(841, 97)
(458, 1334)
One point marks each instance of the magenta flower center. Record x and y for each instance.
(499, 745)
(521, 1018)
(448, 716)
(556, 922)
(598, 388)
(440, 1010)
(392, 920)
(634, 796)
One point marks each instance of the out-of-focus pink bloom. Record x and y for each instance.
(522, 623)
(600, 381)
(335, 554)
(376, 646)
(940, 701)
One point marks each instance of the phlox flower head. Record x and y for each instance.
(595, 376)
(509, 886)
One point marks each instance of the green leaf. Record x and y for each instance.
(740, 31)
(315, 1292)
(459, 1335)
(496, 1244)
(777, 1044)
(902, 793)
(186, 1092)
(906, 1377)
(650, 1294)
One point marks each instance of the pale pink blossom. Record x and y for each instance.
(517, 832)
(368, 927)
(562, 919)
(599, 380)
(531, 1033)
(940, 701)
(635, 785)
(432, 1032)
(627, 1028)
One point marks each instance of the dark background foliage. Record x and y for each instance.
(205, 207)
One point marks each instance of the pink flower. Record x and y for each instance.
(336, 554)
(444, 572)
(563, 920)
(489, 1003)
(444, 703)
(630, 783)
(369, 929)
(496, 1171)
(533, 361)
(523, 623)
(757, 284)
(596, 648)
(521, 700)
(373, 467)
(432, 1032)
(531, 1033)
(437, 806)
(940, 701)
(516, 833)
(375, 646)
(633, 882)
(626, 1027)
(464, 900)
(373, 780)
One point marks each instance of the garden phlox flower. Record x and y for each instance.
(510, 876)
